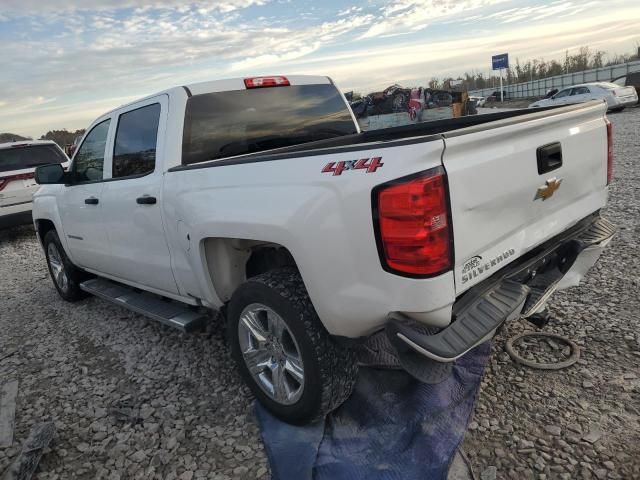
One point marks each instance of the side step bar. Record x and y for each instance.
(170, 313)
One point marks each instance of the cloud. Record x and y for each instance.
(349, 11)
(415, 62)
(87, 57)
(406, 16)
(27, 7)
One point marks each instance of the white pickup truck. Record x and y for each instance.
(261, 197)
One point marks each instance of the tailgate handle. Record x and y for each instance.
(549, 157)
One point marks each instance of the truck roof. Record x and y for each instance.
(228, 84)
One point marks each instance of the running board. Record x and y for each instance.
(169, 312)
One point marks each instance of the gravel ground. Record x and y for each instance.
(582, 422)
(130, 398)
(133, 399)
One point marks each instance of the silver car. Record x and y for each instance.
(616, 96)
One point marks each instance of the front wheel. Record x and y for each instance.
(65, 275)
(290, 362)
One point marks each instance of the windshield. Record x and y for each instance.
(226, 124)
(29, 156)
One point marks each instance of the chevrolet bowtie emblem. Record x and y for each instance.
(548, 189)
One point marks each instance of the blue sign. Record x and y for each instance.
(500, 61)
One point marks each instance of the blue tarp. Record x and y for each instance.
(392, 427)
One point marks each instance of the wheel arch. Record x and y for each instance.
(229, 262)
(44, 226)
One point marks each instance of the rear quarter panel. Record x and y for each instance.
(324, 220)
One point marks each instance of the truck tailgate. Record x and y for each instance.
(503, 203)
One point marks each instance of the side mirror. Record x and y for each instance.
(50, 174)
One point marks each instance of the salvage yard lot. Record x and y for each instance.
(131, 398)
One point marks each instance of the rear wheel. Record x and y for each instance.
(65, 275)
(283, 352)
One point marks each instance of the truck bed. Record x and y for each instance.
(419, 132)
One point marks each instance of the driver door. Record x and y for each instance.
(580, 95)
(562, 97)
(81, 200)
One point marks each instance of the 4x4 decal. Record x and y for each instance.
(368, 164)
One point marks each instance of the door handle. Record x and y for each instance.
(91, 201)
(146, 200)
(549, 157)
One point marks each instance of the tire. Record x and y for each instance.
(328, 370)
(65, 275)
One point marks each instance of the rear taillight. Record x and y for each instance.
(4, 181)
(262, 82)
(413, 224)
(609, 150)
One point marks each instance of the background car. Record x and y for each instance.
(617, 97)
(480, 101)
(18, 161)
(630, 80)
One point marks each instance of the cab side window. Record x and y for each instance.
(580, 91)
(563, 93)
(134, 151)
(88, 164)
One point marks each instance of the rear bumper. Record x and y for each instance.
(521, 289)
(621, 102)
(15, 218)
(18, 207)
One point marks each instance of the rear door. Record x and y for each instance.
(562, 97)
(132, 197)
(505, 201)
(580, 95)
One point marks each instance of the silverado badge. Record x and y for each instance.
(547, 190)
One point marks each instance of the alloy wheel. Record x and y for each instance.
(58, 270)
(271, 353)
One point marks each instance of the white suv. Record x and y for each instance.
(18, 161)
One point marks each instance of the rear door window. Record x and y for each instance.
(134, 151)
(29, 156)
(88, 163)
(226, 124)
(580, 91)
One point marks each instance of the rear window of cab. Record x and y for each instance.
(226, 124)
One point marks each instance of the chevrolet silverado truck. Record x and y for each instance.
(261, 198)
